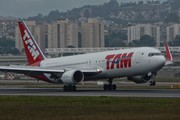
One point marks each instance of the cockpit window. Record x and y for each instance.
(155, 54)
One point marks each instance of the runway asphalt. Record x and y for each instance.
(158, 93)
(19, 87)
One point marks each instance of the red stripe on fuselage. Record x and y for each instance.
(43, 77)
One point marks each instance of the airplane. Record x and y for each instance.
(139, 65)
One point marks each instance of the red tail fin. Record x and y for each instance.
(33, 52)
(169, 56)
(168, 53)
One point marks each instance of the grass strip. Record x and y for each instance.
(87, 108)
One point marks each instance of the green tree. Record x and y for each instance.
(176, 41)
(172, 17)
(86, 13)
(6, 42)
(147, 40)
(117, 43)
(134, 43)
(13, 51)
(53, 15)
(7, 46)
(115, 38)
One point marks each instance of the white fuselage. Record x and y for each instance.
(111, 63)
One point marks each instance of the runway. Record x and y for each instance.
(167, 93)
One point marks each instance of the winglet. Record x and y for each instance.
(33, 52)
(169, 56)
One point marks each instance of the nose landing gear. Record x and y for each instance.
(152, 83)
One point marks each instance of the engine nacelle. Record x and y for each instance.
(72, 77)
(140, 79)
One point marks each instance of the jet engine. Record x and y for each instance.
(140, 79)
(72, 77)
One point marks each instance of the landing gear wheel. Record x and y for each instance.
(105, 87)
(109, 87)
(69, 88)
(152, 83)
(73, 88)
(65, 88)
(114, 86)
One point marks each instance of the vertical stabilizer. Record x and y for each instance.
(169, 56)
(33, 52)
(168, 53)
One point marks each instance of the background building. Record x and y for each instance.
(92, 33)
(38, 32)
(62, 34)
(172, 31)
(135, 32)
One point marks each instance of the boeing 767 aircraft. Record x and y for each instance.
(137, 64)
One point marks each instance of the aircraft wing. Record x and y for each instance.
(30, 70)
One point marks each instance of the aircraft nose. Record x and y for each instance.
(161, 61)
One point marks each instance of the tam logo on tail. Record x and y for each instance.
(33, 52)
(31, 47)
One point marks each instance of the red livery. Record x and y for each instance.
(123, 59)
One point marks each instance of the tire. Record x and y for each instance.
(105, 87)
(114, 86)
(69, 88)
(73, 88)
(154, 83)
(150, 83)
(65, 88)
(109, 87)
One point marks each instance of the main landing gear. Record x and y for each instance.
(110, 86)
(69, 88)
(152, 83)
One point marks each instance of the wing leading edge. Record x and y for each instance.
(39, 71)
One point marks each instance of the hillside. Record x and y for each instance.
(124, 12)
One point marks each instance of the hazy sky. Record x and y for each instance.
(26, 8)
